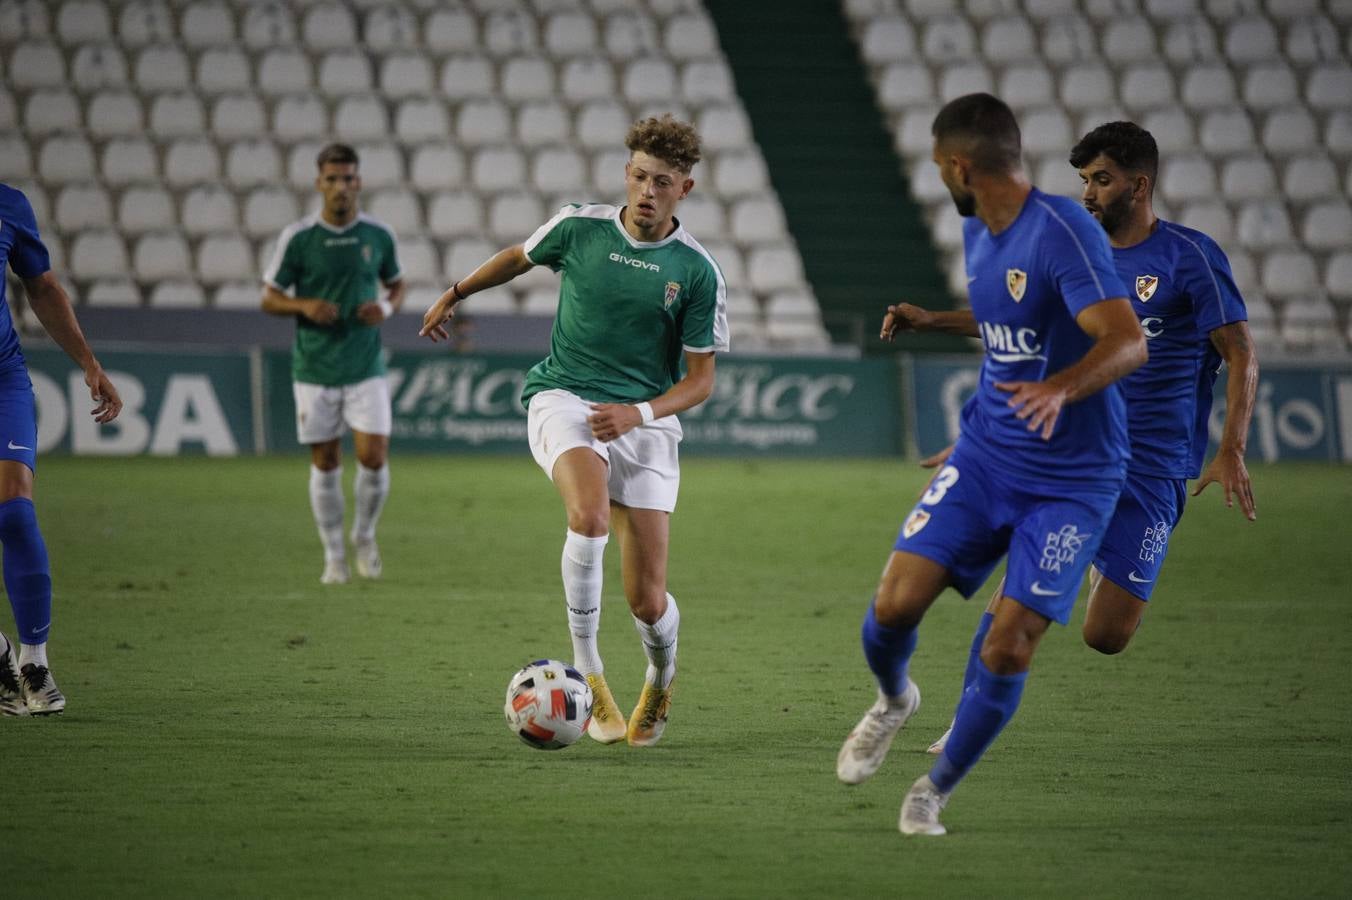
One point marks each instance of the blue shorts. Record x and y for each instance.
(971, 515)
(1132, 551)
(18, 418)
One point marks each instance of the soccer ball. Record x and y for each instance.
(549, 704)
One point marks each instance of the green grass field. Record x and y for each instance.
(234, 729)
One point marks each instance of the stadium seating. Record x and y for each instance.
(1250, 103)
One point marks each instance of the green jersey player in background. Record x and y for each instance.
(642, 310)
(326, 273)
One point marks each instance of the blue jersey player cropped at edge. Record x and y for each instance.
(1041, 459)
(26, 684)
(1193, 319)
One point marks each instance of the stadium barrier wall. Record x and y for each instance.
(223, 403)
(1302, 413)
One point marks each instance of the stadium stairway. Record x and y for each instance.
(864, 241)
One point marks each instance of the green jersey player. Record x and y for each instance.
(326, 273)
(642, 311)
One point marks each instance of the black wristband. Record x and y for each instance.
(455, 291)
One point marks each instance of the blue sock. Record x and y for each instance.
(888, 650)
(987, 705)
(28, 579)
(974, 656)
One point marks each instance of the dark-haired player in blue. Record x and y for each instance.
(1193, 319)
(26, 685)
(1042, 457)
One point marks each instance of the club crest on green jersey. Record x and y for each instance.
(673, 291)
(366, 253)
(1016, 280)
(1145, 286)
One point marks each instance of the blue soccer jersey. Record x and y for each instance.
(22, 249)
(1027, 284)
(1182, 290)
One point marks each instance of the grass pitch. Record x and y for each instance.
(235, 729)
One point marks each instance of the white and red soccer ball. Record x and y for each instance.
(549, 704)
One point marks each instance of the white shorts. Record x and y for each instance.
(321, 411)
(645, 470)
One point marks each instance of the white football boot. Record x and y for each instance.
(368, 559)
(40, 691)
(920, 810)
(938, 746)
(866, 747)
(11, 692)
(335, 572)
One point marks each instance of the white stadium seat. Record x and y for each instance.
(1310, 324)
(1288, 131)
(913, 138)
(1248, 178)
(125, 161)
(252, 162)
(722, 127)
(1068, 39)
(1129, 40)
(207, 23)
(436, 167)
(1188, 41)
(1270, 85)
(283, 70)
(703, 216)
(559, 170)
(513, 216)
(540, 302)
(1311, 40)
(775, 267)
(888, 39)
(1087, 87)
(235, 116)
(81, 207)
(494, 169)
(1148, 86)
(9, 110)
(603, 123)
(1309, 177)
(737, 174)
(1243, 269)
(1328, 225)
(343, 72)
(222, 70)
(965, 78)
(208, 209)
(268, 25)
(362, 117)
(587, 78)
(1226, 131)
(483, 122)
(405, 74)
(607, 171)
(465, 255)
(66, 158)
(451, 31)
(757, 220)
(1250, 39)
(51, 111)
(455, 214)
(191, 161)
(648, 80)
(420, 119)
(1053, 174)
(542, 123)
(527, 78)
(903, 84)
(299, 116)
(98, 254)
(1044, 131)
(300, 165)
(16, 161)
(267, 210)
(163, 67)
(510, 32)
(419, 262)
(1329, 87)
(1338, 276)
(707, 81)
(179, 293)
(1008, 41)
(179, 114)
(947, 39)
(83, 21)
(1289, 273)
(382, 164)
(224, 258)
(1264, 224)
(115, 114)
(98, 66)
(161, 256)
(144, 208)
(1338, 134)
(24, 21)
(1022, 86)
(468, 77)
(1211, 218)
(397, 208)
(143, 22)
(570, 34)
(36, 65)
(237, 295)
(1186, 177)
(389, 28)
(113, 292)
(329, 26)
(1208, 86)
(1172, 129)
(690, 37)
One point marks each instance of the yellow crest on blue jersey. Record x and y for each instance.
(914, 522)
(1145, 286)
(1016, 280)
(673, 291)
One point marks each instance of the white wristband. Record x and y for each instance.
(645, 410)
(386, 307)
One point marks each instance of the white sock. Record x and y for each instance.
(369, 490)
(36, 654)
(659, 644)
(326, 501)
(582, 591)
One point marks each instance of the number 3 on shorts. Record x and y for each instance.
(947, 477)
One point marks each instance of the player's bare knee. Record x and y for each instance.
(648, 604)
(325, 458)
(1106, 640)
(589, 522)
(372, 459)
(1007, 653)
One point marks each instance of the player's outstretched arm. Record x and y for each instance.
(1241, 389)
(52, 307)
(610, 420)
(905, 317)
(500, 268)
(1119, 348)
(317, 310)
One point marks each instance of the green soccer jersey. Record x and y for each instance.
(627, 309)
(345, 266)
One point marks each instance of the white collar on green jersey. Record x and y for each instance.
(645, 245)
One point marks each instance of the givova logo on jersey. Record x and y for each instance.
(1061, 548)
(1155, 540)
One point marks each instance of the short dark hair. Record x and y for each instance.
(988, 128)
(342, 154)
(1125, 143)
